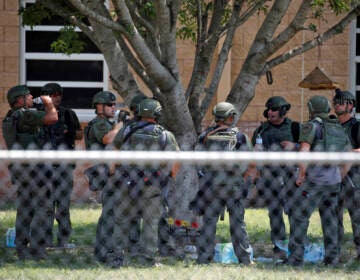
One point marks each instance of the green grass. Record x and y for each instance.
(79, 263)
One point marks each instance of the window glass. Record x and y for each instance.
(64, 70)
(40, 41)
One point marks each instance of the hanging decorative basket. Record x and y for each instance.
(318, 80)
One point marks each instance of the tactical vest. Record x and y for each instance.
(273, 135)
(14, 132)
(9, 126)
(224, 139)
(352, 129)
(89, 138)
(145, 136)
(330, 136)
(55, 132)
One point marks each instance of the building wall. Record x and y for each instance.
(332, 57)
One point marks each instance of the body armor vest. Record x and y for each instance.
(15, 131)
(352, 129)
(330, 136)
(145, 136)
(272, 135)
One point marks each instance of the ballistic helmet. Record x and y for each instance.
(276, 103)
(223, 110)
(16, 91)
(318, 104)
(135, 101)
(343, 96)
(149, 108)
(51, 88)
(103, 97)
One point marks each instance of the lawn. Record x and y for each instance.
(79, 264)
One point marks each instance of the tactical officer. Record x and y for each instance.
(23, 128)
(222, 186)
(134, 227)
(343, 103)
(98, 134)
(278, 133)
(318, 185)
(141, 192)
(62, 136)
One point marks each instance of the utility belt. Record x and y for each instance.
(137, 179)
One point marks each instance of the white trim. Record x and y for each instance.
(353, 58)
(61, 56)
(67, 84)
(54, 28)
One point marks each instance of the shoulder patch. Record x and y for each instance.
(306, 128)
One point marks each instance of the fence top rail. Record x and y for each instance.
(196, 157)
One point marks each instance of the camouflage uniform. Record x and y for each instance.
(33, 202)
(61, 136)
(140, 193)
(350, 187)
(94, 133)
(275, 183)
(220, 187)
(321, 186)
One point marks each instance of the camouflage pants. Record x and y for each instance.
(271, 188)
(105, 225)
(62, 186)
(239, 236)
(34, 207)
(306, 199)
(148, 206)
(350, 198)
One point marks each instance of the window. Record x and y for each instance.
(80, 75)
(355, 61)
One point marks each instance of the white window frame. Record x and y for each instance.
(353, 61)
(84, 115)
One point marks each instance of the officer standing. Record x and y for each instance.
(62, 136)
(343, 103)
(141, 193)
(134, 227)
(278, 133)
(99, 133)
(223, 187)
(23, 128)
(318, 185)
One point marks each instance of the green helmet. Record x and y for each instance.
(135, 101)
(149, 108)
(277, 103)
(15, 92)
(343, 96)
(51, 88)
(318, 104)
(223, 110)
(103, 97)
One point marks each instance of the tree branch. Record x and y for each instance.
(160, 74)
(58, 9)
(293, 28)
(222, 58)
(335, 29)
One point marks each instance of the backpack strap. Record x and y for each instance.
(213, 131)
(134, 129)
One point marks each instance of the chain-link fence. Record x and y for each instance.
(123, 208)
